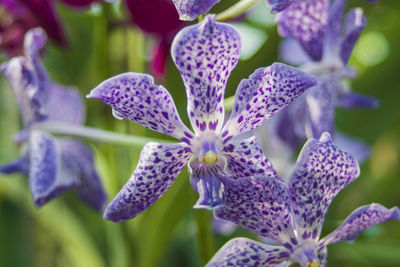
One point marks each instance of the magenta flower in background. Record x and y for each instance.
(54, 165)
(291, 214)
(205, 55)
(162, 22)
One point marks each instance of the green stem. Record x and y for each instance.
(95, 134)
(204, 234)
(228, 103)
(236, 10)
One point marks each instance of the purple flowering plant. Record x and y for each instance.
(290, 215)
(54, 165)
(205, 54)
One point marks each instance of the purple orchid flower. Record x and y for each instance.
(305, 21)
(54, 165)
(314, 112)
(205, 55)
(191, 9)
(291, 214)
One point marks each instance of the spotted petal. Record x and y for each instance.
(159, 164)
(245, 158)
(359, 220)
(305, 21)
(191, 9)
(78, 158)
(322, 170)
(246, 252)
(279, 5)
(267, 91)
(135, 97)
(260, 205)
(355, 23)
(205, 55)
(48, 177)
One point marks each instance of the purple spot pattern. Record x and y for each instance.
(191, 9)
(205, 55)
(78, 158)
(260, 205)
(45, 170)
(159, 165)
(246, 159)
(134, 97)
(322, 170)
(267, 91)
(305, 21)
(362, 218)
(243, 252)
(279, 5)
(355, 23)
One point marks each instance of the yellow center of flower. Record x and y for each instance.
(313, 263)
(209, 158)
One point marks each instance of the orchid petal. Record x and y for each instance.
(322, 171)
(333, 28)
(205, 55)
(158, 166)
(135, 97)
(355, 100)
(48, 177)
(208, 185)
(357, 148)
(291, 52)
(321, 102)
(305, 21)
(191, 9)
(267, 91)
(260, 205)
(246, 158)
(65, 105)
(355, 23)
(19, 165)
(78, 158)
(279, 5)
(246, 252)
(359, 220)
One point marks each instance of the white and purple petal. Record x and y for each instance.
(159, 165)
(355, 100)
(354, 25)
(333, 28)
(78, 158)
(305, 21)
(207, 184)
(48, 177)
(290, 51)
(245, 158)
(243, 252)
(135, 97)
(65, 105)
(263, 94)
(359, 220)
(191, 9)
(260, 205)
(321, 172)
(205, 55)
(279, 5)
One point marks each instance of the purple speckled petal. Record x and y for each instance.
(242, 252)
(158, 166)
(290, 51)
(355, 23)
(263, 94)
(191, 9)
(245, 158)
(205, 55)
(260, 205)
(48, 177)
(20, 165)
(135, 97)
(78, 158)
(359, 220)
(305, 21)
(355, 100)
(279, 5)
(358, 149)
(66, 105)
(321, 102)
(322, 170)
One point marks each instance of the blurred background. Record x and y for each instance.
(97, 40)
